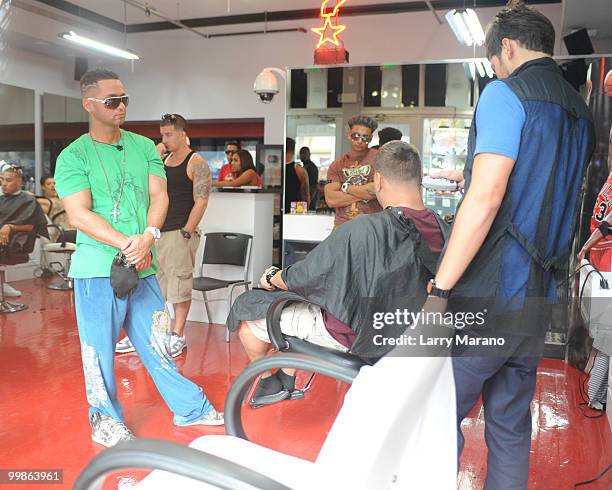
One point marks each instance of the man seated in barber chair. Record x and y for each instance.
(19, 211)
(391, 254)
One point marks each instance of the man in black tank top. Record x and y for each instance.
(189, 183)
(296, 178)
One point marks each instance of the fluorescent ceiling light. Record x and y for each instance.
(472, 71)
(98, 46)
(488, 68)
(466, 26)
(480, 68)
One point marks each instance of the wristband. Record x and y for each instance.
(185, 234)
(270, 274)
(433, 290)
(604, 227)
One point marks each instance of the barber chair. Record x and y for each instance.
(287, 343)
(410, 443)
(61, 246)
(17, 252)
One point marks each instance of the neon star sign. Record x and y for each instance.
(328, 33)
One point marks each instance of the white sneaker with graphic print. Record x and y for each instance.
(107, 431)
(211, 418)
(124, 346)
(176, 344)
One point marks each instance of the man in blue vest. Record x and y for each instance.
(530, 143)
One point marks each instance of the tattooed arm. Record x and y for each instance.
(199, 173)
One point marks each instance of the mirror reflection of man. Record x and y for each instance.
(351, 189)
(388, 134)
(313, 176)
(296, 178)
(226, 172)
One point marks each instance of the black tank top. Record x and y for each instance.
(180, 195)
(292, 186)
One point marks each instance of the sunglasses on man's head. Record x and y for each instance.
(230, 152)
(171, 118)
(12, 167)
(366, 138)
(112, 102)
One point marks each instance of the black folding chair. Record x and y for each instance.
(224, 248)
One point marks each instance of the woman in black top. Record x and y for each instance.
(242, 166)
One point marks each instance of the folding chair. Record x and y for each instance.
(224, 248)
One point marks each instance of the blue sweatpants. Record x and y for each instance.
(143, 315)
(506, 378)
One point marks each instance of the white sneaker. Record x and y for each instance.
(10, 291)
(176, 345)
(107, 431)
(211, 418)
(124, 346)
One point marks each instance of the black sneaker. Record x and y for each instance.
(269, 391)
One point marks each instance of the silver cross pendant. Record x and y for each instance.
(115, 213)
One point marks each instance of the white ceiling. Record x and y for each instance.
(190, 9)
(591, 14)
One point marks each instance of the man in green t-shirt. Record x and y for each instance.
(113, 186)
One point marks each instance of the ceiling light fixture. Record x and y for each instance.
(98, 46)
(466, 26)
(479, 66)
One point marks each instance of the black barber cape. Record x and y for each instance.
(373, 263)
(23, 209)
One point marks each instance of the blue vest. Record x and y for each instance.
(530, 239)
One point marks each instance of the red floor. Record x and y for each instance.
(43, 411)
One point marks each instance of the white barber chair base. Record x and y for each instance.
(396, 429)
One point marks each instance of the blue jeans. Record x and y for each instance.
(143, 315)
(506, 379)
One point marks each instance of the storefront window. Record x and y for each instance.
(321, 140)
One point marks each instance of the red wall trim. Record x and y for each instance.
(244, 128)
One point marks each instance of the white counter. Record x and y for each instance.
(307, 227)
(238, 212)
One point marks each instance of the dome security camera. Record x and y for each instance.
(266, 84)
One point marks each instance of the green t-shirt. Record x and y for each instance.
(78, 168)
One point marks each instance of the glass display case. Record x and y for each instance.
(444, 148)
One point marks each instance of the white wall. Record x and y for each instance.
(17, 105)
(212, 79)
(37, 72)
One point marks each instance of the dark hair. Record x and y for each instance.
(44, 178)
(399, 161)
(92, 77)
(290, 144)
(175, 120)
(361, 120)
(246, 161)
(233, 143)
(389, 134)
(528, 27)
